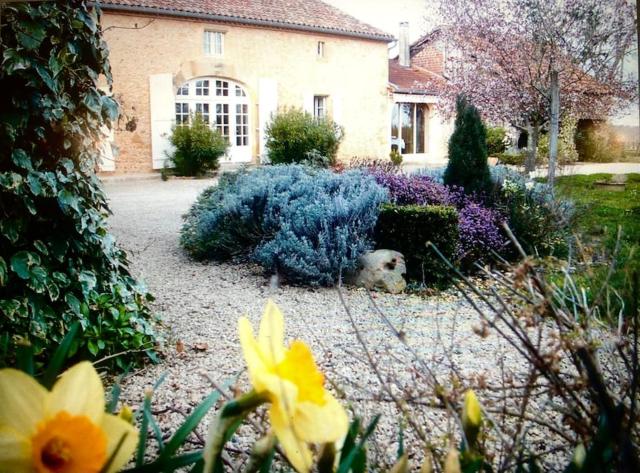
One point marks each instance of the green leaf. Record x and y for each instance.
(59, 357)
(171, 464)
(21, 159)
(67, 199)
(87, 280)
(22, 262)
(15, 61)
(41, 247)
(109, 108)
(32, 34)
(356, 454)
(4, 273)
(34, 184)
(92, 101)
(93, 348)
(46, 77)
(73, 303)
(189, 425)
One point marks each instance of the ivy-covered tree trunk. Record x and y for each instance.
(58, 263)
(467, 165)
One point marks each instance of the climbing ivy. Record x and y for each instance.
(58, 262)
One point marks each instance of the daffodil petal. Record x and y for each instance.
(79, 391)
(15, 452)
(316, 423)
(251, 352)
(115, 429)
(271, 334)
(296, 450)
(22, 401)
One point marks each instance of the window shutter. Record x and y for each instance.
(268, 105)
(162, 108)
(107, 158)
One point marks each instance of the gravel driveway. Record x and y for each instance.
(200, 304)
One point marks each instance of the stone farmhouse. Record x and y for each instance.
(237, 62)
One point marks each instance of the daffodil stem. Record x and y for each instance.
(224, 425)
(246, 402)
(260, 454)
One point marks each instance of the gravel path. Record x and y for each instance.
(201, 303)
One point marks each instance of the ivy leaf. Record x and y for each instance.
(46, 77)
(87, 280)
(109, 108)
(32, 34)
(34, 184)
(4, 274)
(67, 199)
(14, 61)
(22, 262)
(41, 247)
(21, 159)
(73, 302)
(92, 101)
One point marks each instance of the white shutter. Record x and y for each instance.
(162, 108)
(268, 105)
(307, 103)
(107, 157)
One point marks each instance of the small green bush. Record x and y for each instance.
(512, 159)
(198, 147)
(467, 167)
(396, 157)
(497, 140)
(408, 228)
(293, 136)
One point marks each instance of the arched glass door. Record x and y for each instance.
(224, 105)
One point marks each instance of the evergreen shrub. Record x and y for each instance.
(497, 140)
(467, 166)
(408, 228)
(294, 136)
(306, 224)
(58, 263)
(197, 147)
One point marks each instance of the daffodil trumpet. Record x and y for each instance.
(65, 430)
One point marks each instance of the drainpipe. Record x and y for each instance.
(403, 45)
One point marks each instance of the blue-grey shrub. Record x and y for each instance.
(308, 224)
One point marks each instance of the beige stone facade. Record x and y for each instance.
(152, 56)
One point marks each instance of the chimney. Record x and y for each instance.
(403, 45)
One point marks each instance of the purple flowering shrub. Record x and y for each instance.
(479, 226)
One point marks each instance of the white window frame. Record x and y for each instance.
(213, 43)
(320, 106)
(230, 113)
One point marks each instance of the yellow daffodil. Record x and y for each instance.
(302, 412)
(64, 430)
(471, 417)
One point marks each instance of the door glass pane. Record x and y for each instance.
(421, 127)
(394, 127)
(222, 119)
(406, 121)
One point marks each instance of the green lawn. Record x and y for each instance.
(600, 211)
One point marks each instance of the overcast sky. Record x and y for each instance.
(387, 14)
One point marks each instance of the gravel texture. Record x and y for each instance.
(201, 302)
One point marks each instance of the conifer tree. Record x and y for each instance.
(467, 166)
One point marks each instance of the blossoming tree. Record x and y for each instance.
(528, 62)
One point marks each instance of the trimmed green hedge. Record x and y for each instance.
(407, 229)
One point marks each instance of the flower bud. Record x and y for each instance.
(471, 417)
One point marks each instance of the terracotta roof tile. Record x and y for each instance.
(413, 80)
(312, 15)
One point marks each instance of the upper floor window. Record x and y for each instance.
(320, 48)
(213, 43)
(319, 106)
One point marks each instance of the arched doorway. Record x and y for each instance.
(223, 104)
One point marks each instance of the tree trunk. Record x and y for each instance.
(533, 132)
(638, 32)
(554, 127)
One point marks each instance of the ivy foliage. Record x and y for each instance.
(58, 263)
